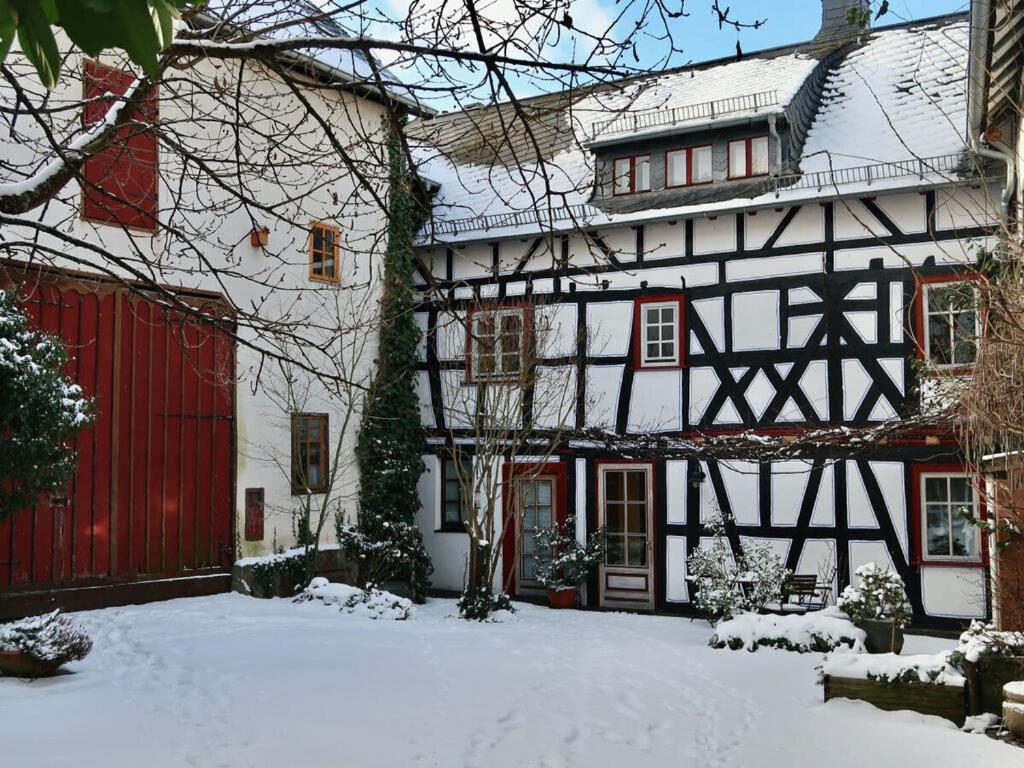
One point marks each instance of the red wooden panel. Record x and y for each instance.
(153, 494)
(123, 177)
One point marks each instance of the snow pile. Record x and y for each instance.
(818, 631)
(985, 640)
(50, 639)
(892, 668)
(981, 723)
(371, 604)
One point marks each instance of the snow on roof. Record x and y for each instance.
(739, 88)
(902, 95)
(291, 19)
(899, 99)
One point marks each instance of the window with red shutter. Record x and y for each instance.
(122, 179)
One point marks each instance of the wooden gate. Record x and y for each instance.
(151, 502)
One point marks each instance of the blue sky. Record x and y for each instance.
(787, 21)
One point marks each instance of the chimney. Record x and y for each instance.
(835, 28)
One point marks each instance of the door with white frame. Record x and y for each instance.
(625, 495)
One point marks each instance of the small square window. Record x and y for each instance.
(951, 324)
(684, 167)
(947, 534)
(748, 157)
(659, 334)
(323, 252)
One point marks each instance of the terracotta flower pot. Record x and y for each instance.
(880, 637)
(562, 598)
(19, 664)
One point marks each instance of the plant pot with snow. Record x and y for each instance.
(563, 563)
(878, 605)
(40, 645)
(990, 659)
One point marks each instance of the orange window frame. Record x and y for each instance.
(323, 253)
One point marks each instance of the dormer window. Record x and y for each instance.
(748, 157)
(632, 174)
(684, 167)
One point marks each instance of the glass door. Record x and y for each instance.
(535, 499)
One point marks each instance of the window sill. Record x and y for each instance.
(974, 562)
(450, 528)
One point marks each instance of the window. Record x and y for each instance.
(748, 157)
(947, 535)
(310, 453)
(951, 323)
(455, 503)
(684, 167)
(632, 174)
(626, 516)
(496, 341)
(323, 251)
(122, 180)
(659, 331)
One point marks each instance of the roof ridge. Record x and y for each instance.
(774, 52)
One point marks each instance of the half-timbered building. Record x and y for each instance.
(761, 246)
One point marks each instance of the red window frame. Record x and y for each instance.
(918, 556)
(638, 340)
(689, 166)
(750, 156)
(526, 347)
(122, 181)
(920, 342)
(632, 174)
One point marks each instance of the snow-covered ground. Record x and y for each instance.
(234, 681)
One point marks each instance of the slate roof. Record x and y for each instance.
(891, 115)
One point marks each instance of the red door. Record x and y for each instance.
(153, 493)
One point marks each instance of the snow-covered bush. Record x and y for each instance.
(369, 603)
(818, 631)
(937, 669)
(568, 562)
(51, 639)
(983, 639)
(385, 550)
(728, 585)
(42, 411)
(880, 596)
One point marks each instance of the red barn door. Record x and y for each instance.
(152, 498)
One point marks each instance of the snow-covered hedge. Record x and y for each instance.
(892, 668)
(982, 639)
(51, 639)
(372, 604)
(818, 631)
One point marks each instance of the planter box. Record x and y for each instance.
(18, 664)
(331, 564)
(948, 701)
(986, 678)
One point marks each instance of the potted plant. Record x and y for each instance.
(990, 659)
(38, 646)
(879, 606)
(567, 562)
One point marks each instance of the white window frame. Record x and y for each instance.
(926, 341)
(923, 513)
(645, 361)
(498, 374)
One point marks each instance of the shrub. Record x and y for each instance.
(369, 603)
(818, 632)
(570, 562)
(719, 577)
(880, 596)
(51, 639)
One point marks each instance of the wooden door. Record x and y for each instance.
(535, 495)
(625, 508)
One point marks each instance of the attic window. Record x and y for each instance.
(632, 174)
(748, 157)
(684, 167)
